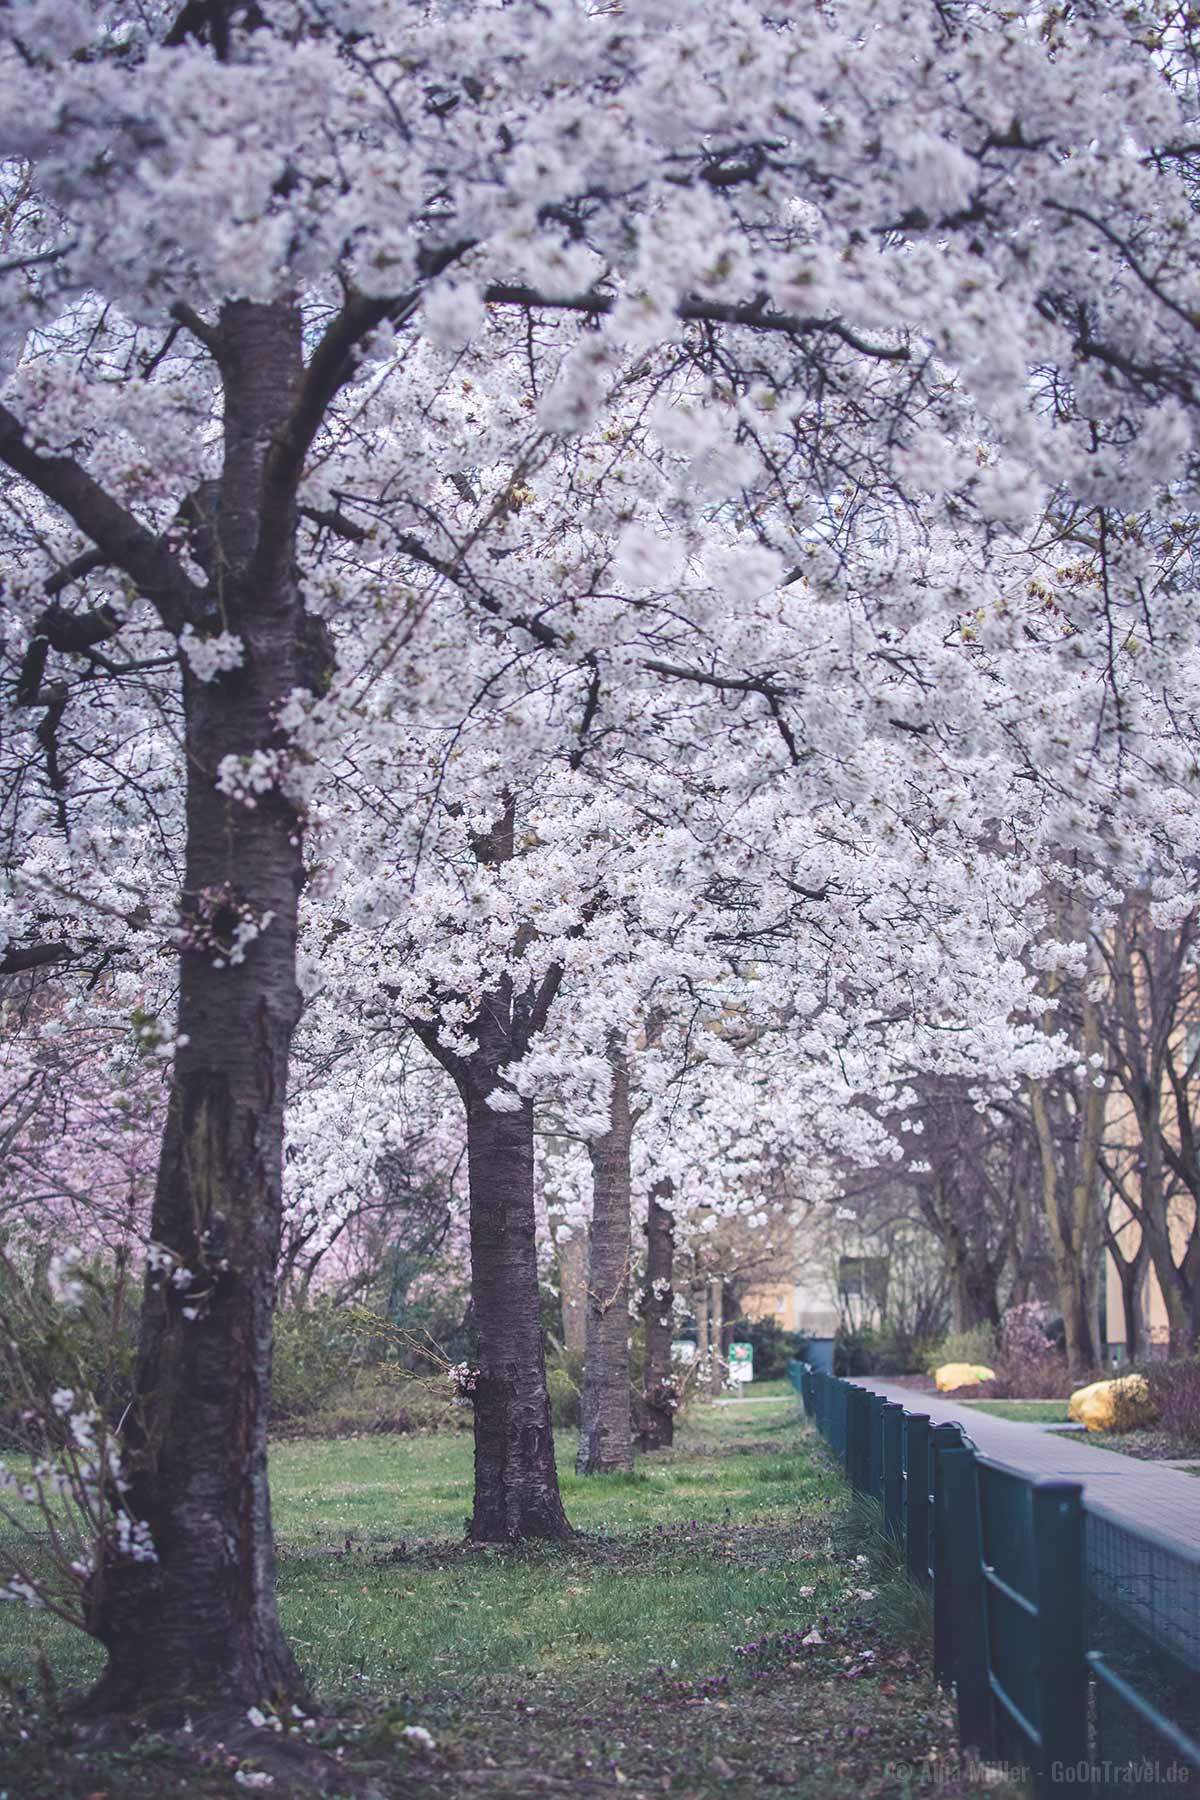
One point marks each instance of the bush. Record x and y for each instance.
(380, 1399)
(975, 1345)
(773, 1347)
(854, 1352)
(90, 1346)
(1175, 1392)
(564, 1378)
(317, 1350)
(885, 1351)
(1029, 1366)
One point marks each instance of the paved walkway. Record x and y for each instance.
(1138, 1494)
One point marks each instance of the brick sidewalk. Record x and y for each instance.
(1137, 1494)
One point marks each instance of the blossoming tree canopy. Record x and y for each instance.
(380, 335)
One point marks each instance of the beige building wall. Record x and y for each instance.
(797, 1305)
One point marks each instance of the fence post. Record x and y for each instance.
(874, 1482)
(892, 1430)
(960, 1479)
(916, 1495)
(857, 1415)
(942, 1439)
(1061, 1669)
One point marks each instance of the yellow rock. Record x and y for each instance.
(956, 1375)
(1116, 1405)
(1079, 1400)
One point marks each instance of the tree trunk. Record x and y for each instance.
(606, 1431)
(200, 1623)
(1066, 1252)
(516, 1483)
(702, 1343)
(570, 1242)
(729, 1315)
(571, 1248)
(716, 1333)
(973, 1297)
(659, 1392)
(1131, 1273)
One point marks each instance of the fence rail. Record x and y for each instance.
(1072, 1642)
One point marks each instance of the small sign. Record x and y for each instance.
(741, 1362)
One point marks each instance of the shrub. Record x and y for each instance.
(885, 1351)
(1029, 1366)
(975, 1345)
(854, 1351)
(1175, 1392)
(65, 1351)
(773, 1347)
(90, 1346)
(317, 1350)
(379, 1399)
(564, 1378)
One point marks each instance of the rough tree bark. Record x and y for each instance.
(657, 1425)
(606, 1430)
(516, 1482)
(202, 1620)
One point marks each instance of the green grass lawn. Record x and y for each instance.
(1030, 1412)
(763, 1390)
(661, 1652)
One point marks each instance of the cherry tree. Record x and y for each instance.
(849, 242)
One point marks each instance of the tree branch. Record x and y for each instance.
(208, 335)
(756, 315)
(122, 540)
(18, 958)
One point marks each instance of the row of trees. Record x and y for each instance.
(637, 552)
(1026, 1191)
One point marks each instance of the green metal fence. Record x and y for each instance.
(1072, 1643)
